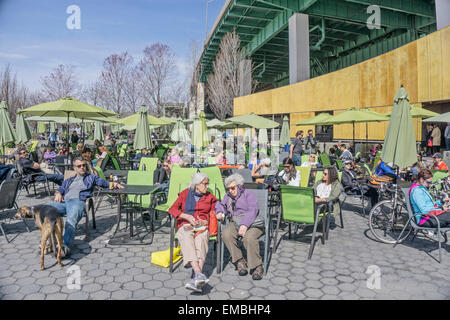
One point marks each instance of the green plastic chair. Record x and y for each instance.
(115, 163)
(161, 152)
(100, 172)
(150, 164)
(140, 178)
(298, 208)
(305, 158)
(366, 166)
(319, 175)
(305, 173)
(215, 178)
(325, 160)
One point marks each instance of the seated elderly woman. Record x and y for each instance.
(192, 211)
(241, 208)
(328, 189)
(259, 171)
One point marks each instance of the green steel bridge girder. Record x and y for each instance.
(262, 26)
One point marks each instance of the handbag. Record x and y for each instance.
(258, 223)
(162, 258)
(430, 143)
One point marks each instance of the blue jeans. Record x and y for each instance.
(447, 144)
(297, 159)
(75, 210)
(56, 178)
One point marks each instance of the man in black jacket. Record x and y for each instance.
(352, 186)
(161, 176)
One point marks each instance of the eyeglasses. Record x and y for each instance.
(205, 183)
(165, 165)
(325, 174)
(287, 167)
(23, 152)
(232, 188)
(81, 166)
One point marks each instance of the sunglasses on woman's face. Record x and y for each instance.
(325, 174)
(232, 188)
(81, 166)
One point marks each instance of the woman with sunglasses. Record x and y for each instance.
(328, 189)
(241, 208)
(193, 210)
(290, 175)
(422, 202)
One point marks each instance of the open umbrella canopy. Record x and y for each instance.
(400, 142)
(318, 120)
(179, 132)
(252, 120)
(98, 132)
(130, 123)
(285, 137)
(7, 134)
(417, 112)
(67, 107)
(143, 138)
(23, 132)
(73, 119)
(215, 123)
(445, 117)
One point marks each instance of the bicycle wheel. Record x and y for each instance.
(386, 224)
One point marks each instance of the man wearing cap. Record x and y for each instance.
(353, 187)
(438, 164)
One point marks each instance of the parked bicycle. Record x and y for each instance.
(388, 217)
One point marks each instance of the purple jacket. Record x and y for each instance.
(246, 204)
(48, 156)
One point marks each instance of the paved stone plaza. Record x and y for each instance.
(336, 270)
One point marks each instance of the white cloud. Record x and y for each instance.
(8, 55)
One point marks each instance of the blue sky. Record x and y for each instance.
(34, 38)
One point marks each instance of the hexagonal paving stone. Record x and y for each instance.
(313, 293)
(111, 287)
(153, 284)
(35, 296)
(134, 285)
(164, 292)
(313, 284)
(56, 296)
(123, 278)
(50, 289)
(100, 295)
(104, 279)
(121, 295)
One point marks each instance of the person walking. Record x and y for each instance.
(310, 143)
(296, 149)
(436, 136)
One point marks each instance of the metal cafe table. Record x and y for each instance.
(131, 236)
(120, 174)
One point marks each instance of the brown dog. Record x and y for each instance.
(50, 223)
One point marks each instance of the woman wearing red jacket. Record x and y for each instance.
(192, 211)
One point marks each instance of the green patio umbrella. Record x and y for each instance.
(7, 134)
(142, 138)
(23, 132)
(130, 123)
(356, 116)
(200, 138)
(318, 120)
(179, 132)
(252, 120)
(417, 112)
(262, 137)
(98, 132)
(285, 136)
(213, 125)
(445, 117)
(400, 142)
(52, 126)
(41, 128)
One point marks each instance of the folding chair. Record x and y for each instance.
(150, 164)
(305, 173)
(325, 160)
(245, 173)
(264, 213)
(8, 191)
(27, 180)
(298, 207)
(416, 228)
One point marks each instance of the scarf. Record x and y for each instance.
(189, 205)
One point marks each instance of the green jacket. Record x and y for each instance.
(335, 192)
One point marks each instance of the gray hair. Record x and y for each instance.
(236, 178)
(266, 161)
(197, 179)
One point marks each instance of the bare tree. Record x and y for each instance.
(157, 72)
(116, 69)
(223, 84)
(60, 83)
(15, 95)
(132, 91)
(93, 93)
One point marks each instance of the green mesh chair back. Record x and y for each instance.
(305, 158)
(140, 178)
(325, 160)
(297, 204)
(100, 172)
(319, 176)
(305, 172)
(368, 169)
(357, 154)
(123, 150)
(160, 152)
(150, 164)
(178, 177)
(439, 175)
(339, 164)
(340, 176)
(215, 178)
(115, 163)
